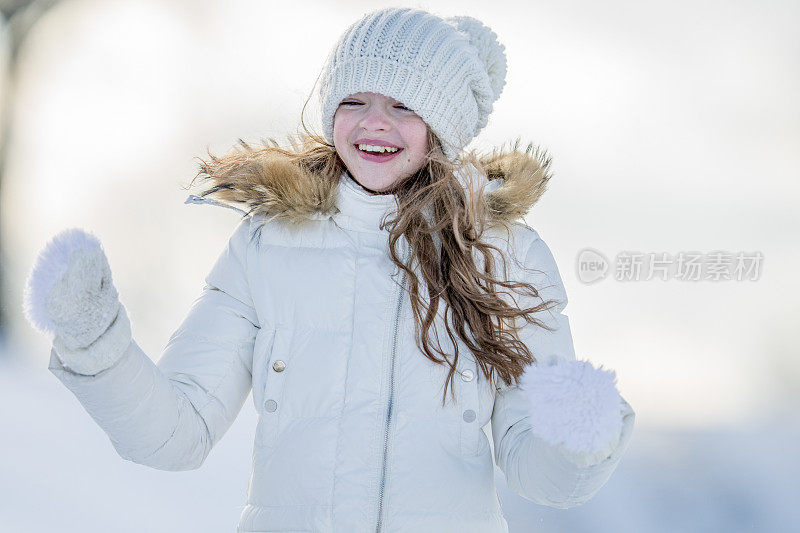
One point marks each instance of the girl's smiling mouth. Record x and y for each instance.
(378, 151)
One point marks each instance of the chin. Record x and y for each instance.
(375, 183)
(378, 186)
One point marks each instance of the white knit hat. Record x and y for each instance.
(448, 71)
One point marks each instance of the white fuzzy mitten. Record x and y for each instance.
(69, 294)
(575, 406)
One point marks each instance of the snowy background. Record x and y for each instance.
(59, 472)
(673, 127)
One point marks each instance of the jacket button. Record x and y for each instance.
(469, 415)
(270, 405)
(467, 375)
(278, 366)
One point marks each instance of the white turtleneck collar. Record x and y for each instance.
(359, 209)
(362, 210)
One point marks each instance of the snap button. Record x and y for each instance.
(469, 415)
(278, 366)
(270, 405)
(467, 375)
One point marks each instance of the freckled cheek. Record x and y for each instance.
(342, 125)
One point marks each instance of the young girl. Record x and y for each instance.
(382, 298)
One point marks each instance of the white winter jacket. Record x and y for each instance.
(352, 436)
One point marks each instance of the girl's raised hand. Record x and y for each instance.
(69, 294)
(575, 406)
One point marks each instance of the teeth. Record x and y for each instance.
(381, 149)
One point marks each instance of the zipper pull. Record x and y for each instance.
(194, 199)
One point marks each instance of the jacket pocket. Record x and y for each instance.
(268, 390)
(463, 420)
(262, 349)
(475, 407)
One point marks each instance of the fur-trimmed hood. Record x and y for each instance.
(276, 185)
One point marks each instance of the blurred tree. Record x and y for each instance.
(18, 17)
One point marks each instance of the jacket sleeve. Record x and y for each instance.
(535, 469)
(169, 415)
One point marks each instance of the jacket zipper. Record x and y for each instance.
(194, 199)
(390, 404)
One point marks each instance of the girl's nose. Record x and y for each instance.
(375, 119)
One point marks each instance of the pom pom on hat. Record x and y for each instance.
(490, 51)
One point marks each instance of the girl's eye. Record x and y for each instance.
(350, 102)
(401, 106)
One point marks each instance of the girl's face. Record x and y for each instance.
(380, 141)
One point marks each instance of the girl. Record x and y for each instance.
(381, 297)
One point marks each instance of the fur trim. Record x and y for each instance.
(574, 405)
(50, 266)
(276, 185)
(524, 174)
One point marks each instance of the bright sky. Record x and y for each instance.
(673, 127)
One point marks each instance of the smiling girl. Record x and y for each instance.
(399, 325)
(401, 148)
